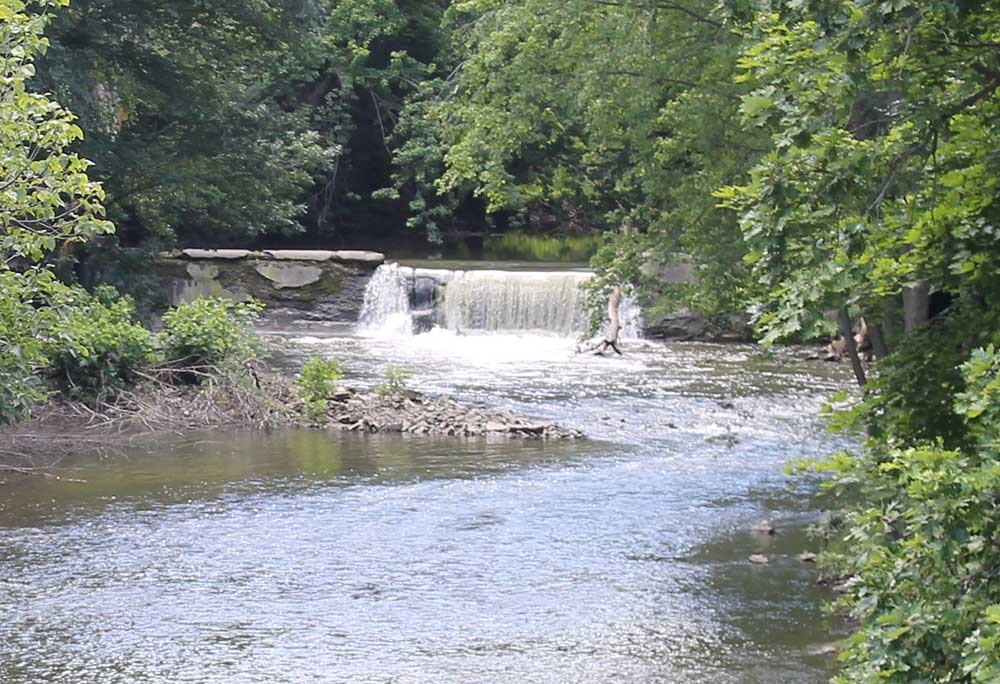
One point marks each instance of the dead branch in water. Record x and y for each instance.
(610, 338)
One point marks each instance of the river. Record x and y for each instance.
(304, 556)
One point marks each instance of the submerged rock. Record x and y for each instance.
(758, 559)
(823, 650)
(764, 527)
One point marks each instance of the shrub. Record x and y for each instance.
(921, 547)
(210, 332)
(395, 381)
(316, 382)
(97, 345)
(23, 326)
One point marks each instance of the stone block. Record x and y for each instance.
(290, 275)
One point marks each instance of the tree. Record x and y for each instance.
(46, 200)
(225, 121)
(881, 175)
(878, 190)
(46, 197)
(590, 115)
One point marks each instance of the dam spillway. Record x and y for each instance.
(403, 300)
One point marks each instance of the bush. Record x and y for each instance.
(24, 323)
(97, 345)
(210, 332)
(395, 381)
(921, 547)
(316, 382)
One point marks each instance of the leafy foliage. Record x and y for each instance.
(921, 548)
(46, 202)
(229, 120)
(881, 176)
(96, 346)
(316, 383)
(210, 332)
(46, 198)
(24, 324)
(594, 116)
(395, 380)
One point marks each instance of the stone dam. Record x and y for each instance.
(316, 287)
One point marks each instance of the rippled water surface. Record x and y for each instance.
(312, 557)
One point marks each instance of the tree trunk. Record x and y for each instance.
(847, 333)
(916, 306)
(614, 323)
(878, 341)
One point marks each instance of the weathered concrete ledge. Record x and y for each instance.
(346, 256)
(295, 284)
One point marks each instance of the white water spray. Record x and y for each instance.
(486, 301)
(515, 300)
(386, 307)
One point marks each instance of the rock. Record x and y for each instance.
(417, 414)
(299, 254)
(423, 321)
(360, 256)
(764, 527)
(684, 324)
(531, 428)
(823, 650)
(758, 559)
(807, 557)
(202, 271)
(216, 253)
(290, 275)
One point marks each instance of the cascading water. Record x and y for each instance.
(513, 300)
(630, 316)
(386, 307)
(483, 300)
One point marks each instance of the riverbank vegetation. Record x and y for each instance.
(818, 163)
(821, 163)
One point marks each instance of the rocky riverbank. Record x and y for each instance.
(258, 401)
(419, 414)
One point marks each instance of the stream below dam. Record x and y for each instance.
(307, 556)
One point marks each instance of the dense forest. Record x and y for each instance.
(820, 162)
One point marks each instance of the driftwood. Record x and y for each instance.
(610, 338)
(167, 399)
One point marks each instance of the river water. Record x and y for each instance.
(311, 557)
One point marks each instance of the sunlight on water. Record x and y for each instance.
(308, 556)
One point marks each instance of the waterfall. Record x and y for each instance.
(399, 299)
(515, 300)
(386, 307)
(630, 317)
